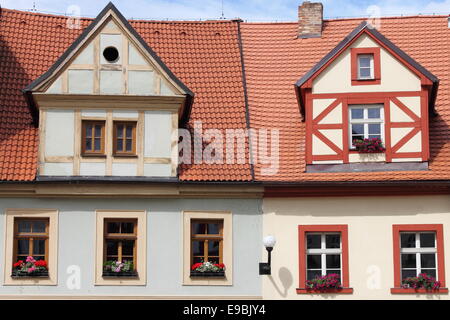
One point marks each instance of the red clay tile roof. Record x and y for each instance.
(275, 59)
(207, 59)
(204, 55)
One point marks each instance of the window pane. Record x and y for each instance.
(356, 138)
(312, 274)
(88, 130)
(112, 247)
(129, 144)
(430, 272)
(23, 258)
(373, 136)
(88, 145)
(120, 145)
(358, 129)
(127, 247)
(113, 227)
(38, 226)
(332, 241)
(213, 228)
(409, 273)
(333, 261)
(213, 248)
(198, 259)
(364, 72)
(374, 128)
(427, 240)
(408, 240)
(39, 257)
(127, 227)
(428, 260)
(364, 61)
(198, 248)
(213, 259)
(331, 271)
(313, 261)
(23, 246)
(98, 131)
(129, 131)
(24, 226)
(373, 113)
(38, 246)
(199, 228)
(409, 260)
(357, 113)
(120, 131)
(313, 241)
(97, 144)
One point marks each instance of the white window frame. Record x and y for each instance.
(323, 252)
(366, 121)
(371, 66)
(418, 251)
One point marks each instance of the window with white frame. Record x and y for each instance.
(323, 254)
(418, 254)
(365, 66)
(366, 121)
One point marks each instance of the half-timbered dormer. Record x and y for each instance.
(367, 88)
(109, 106)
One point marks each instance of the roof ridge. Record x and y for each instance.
(54, 15)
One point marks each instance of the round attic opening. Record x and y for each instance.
(111, 54)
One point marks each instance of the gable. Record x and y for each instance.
(88, 71)
(395, 76)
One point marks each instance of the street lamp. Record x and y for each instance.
(269, 243)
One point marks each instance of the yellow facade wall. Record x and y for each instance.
(369, 221)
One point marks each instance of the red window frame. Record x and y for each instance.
(439, 230)
(343, 230)
(375, 51)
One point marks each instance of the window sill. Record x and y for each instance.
(22, 275)
(331, 291)
(107, 274)
(418, 291)
(93, 155)
(118, 155)
(207, 274)
(365, 82)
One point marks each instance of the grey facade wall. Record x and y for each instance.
(76, 245)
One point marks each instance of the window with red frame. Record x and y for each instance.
(365, 66)
(323, 250)
(418, 249)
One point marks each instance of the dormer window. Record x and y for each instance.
(93, 138)
(365, 66)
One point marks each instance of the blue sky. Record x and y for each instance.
(251, 10)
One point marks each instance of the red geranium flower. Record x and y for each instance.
(18, 264)
(220, 265)
(41, 263)
(196, 265)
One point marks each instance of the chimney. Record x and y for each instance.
(310, 17)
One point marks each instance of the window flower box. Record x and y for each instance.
(422, 281)
(208, 269)
(119, 269)
(372, 145)
(30, 268)
(328, 283)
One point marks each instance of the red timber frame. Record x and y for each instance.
(418, 124)
(302, 231)
(375, 51)
(438, 229)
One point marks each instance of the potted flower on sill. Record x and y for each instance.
(30, 268)
(328, 283)
(119, 269)
(422, 281)
(208, 269)
(372, 145)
